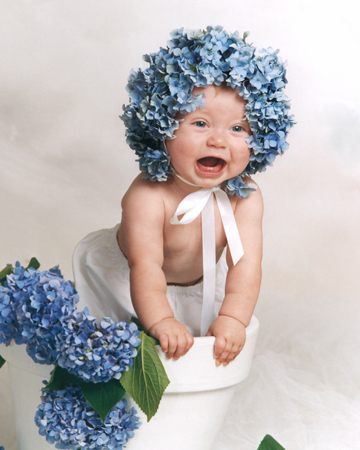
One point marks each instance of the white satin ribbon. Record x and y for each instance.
(202, 201)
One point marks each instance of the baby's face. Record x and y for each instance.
(210, 147)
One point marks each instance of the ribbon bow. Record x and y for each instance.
(202, 201)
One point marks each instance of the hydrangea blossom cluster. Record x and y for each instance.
(66, 419)
(201, 58)
(97, 354)
(32, 306)
(38, 309)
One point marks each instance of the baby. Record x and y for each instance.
(209, 148)
(206, 114)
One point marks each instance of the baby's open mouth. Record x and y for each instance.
(211, 164)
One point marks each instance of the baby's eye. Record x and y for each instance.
(200, 124)
(237, 128)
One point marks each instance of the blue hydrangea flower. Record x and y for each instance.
(97, 354)
(9, 325)
(32, 304)
(201, 58)
(158, 164)
(66, 419)
(238, 187)
(38, 309)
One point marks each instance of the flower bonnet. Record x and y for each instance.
(201, 58)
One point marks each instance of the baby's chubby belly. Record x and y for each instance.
(185, 269)
(183, 253)
(182, 261)
(185, 274)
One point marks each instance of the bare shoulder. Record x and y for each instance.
(143, 207)
(142, 191)
(145, 200)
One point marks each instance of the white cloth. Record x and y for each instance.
(101, 276)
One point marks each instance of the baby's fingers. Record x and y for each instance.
(164, 342)
(231, 356)
(225, 351)
(172, 347)
(221, 350)
(184, 343)
(180, 347)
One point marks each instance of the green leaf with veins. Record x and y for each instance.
(146, 381)
(103, 397)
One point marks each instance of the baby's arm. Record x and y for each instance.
(141, 237)
(242, 283)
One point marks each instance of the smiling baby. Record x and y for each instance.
(208, 113)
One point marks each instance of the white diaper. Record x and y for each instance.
(101, 275)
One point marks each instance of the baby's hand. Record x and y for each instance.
(230, 339)
(175, 339)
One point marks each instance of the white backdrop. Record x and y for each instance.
(64, 166)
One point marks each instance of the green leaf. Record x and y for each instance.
(2, 361)
(269, 443)
(5, 271)
(146, 381)
(59, 379)
(102, 396)
(34, 263)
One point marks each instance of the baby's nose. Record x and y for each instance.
(216, 139)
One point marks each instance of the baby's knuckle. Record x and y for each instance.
(172, 344)
(228, 346)
(181, 344)
(224, 355)
(220, 343)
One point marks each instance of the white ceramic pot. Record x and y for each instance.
(191, 411)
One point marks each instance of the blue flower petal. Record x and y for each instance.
(66, 419)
